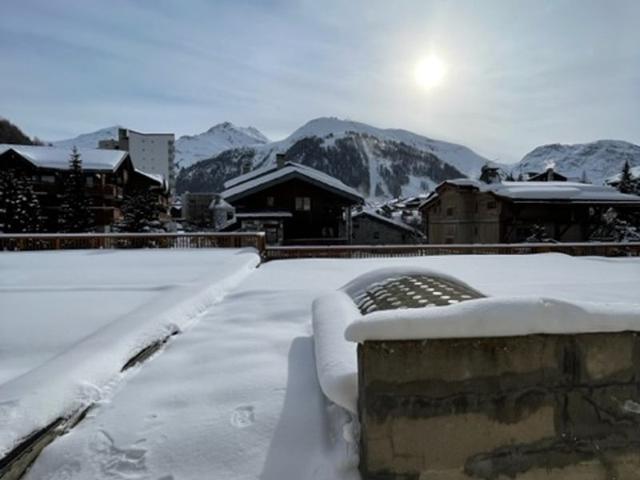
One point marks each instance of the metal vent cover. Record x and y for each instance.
(412, 291)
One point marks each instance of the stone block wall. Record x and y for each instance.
(532, 408)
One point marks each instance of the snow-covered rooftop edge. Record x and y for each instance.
(495, 317)
(338, 324)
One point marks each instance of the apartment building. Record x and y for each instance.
(150, 152)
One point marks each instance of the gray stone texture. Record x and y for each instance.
(531, 407)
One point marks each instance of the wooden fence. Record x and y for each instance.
(60, 241)
(368, 251)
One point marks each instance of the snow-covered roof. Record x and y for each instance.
(381, 218)
(58, 157)
(157, 177)
(573, 192)
(634, 171)
(272, 176)
(245, 177)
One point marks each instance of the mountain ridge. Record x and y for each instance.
(380, 163)
(600, 159)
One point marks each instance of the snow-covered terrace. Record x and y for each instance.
(239, 392)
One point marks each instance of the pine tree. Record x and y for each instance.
(75, 215)
(141, 211)
(584, 178)
(19, 205)
(626, 184)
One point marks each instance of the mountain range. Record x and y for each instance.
(380, 163)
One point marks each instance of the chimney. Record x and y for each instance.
(280, 160)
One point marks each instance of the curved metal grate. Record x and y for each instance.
(412, 291)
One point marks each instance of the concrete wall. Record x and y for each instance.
(153, 153)
(531, 408)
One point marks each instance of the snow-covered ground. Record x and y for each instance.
(237, 396)
(70, 320)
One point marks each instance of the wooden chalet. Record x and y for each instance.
(109, 176)
(549, 175)
(372, 228)
(468, 211)
(293, 204)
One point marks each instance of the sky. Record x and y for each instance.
(519, 73)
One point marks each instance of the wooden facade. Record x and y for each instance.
(317, 216)
(370, 228)
(295, 208)
(105, 188)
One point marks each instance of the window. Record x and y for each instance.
(270, 201)
(376, 235)
(303, 203)
(491, 205)
(450, 211)
(89, 181)
(48, 179)
(229, 215)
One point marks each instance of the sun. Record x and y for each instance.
(430, 72)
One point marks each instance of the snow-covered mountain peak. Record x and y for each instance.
(599, 160)
(228, 128)
(223, 136)
(89, 140)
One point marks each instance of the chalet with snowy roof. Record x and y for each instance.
(293, 204)
(109, 175)
(470, 211)
(549, 175)
(372, 228)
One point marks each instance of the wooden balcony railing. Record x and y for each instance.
(609, 249)
(59, 241)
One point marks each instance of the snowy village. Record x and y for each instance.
(420, 259)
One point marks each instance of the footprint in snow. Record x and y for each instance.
(243, 416)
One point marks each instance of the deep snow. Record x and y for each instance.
(75, 318)
(237, 395)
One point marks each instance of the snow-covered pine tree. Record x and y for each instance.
(19, 205)
(626, 184)
(75, 215)
(141, 211)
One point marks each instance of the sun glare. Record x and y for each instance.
(430, 72)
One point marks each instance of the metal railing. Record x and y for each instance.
(63, 241)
